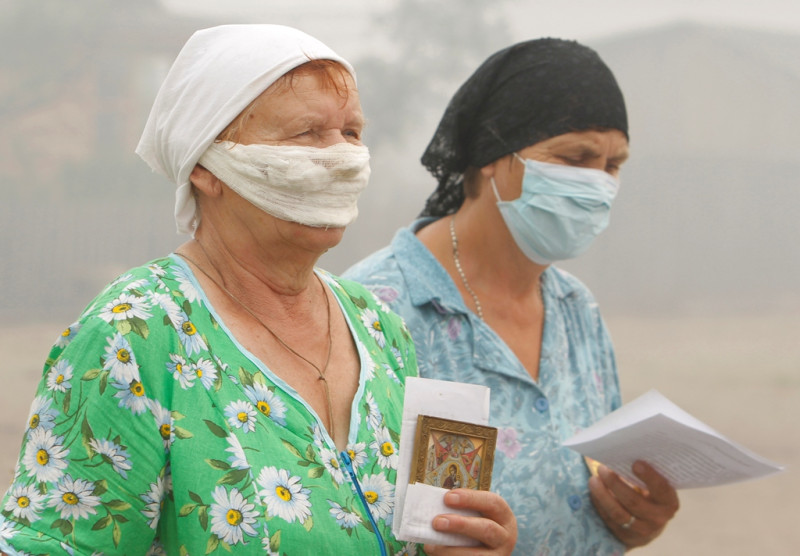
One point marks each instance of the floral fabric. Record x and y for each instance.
(154, 432)
(545, 484)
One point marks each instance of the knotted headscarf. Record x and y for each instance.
(521, 95)
(216, 75)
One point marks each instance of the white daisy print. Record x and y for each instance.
(331, 463)
(59, 375)
(398, 357)
(379, 494)
(358, 454)
(181, 372)
(369, 368)
(126, 307)
(267, 402)
(131, 396)
(135, 284)
(114, 454)
(168, 305)
(206, 371)
(284, 496)
(153, 500)
(191, 340)
(67, 335)
(41, 415)
(319, 440)
(241, 415)
(7, 530)
(163, 419)
(390, 373)
(25, 502)
(237, 459)
(373, 324)
(374, 416)
(119, 360)
(45, 456)
(344, 518)
(265, 540)
(157, 270)
(385, 449)
(231, 516)
(185, 284)
(409, 549)
(73, 498)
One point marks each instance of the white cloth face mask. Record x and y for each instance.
(313, 186)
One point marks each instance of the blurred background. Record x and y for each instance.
(698, 275)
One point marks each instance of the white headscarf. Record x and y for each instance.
(216, 75)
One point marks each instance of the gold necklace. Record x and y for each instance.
(320, 372)
(454, 240)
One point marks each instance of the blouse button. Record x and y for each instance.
(541, 405)
(574, 502)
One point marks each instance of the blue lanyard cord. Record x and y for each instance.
(348, 465)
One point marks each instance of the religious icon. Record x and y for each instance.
(453, 454)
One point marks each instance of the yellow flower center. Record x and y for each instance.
(123, 355)
(165, 430)
(23, 501)
(34, 421)
(137, 389)
(377, 325)
(188, 328)
(283, 493)
(371, 496)
(334, 463)
(199, 373)
(59, 379)
(234, 517)
(65, 333)
(387, 449)
(179, 368)
(70, 498)
(42, 457)
(121, 308)
(352, 454)
(242, 416)
(263, 407)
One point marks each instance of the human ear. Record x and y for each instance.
(205, 182)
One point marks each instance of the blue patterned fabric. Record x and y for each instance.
(545, 484)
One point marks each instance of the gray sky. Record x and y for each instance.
(576, 19)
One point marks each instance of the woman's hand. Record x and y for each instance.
(496, 529)
(635, 516)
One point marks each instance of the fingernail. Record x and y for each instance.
(451, 498)
(441, 523)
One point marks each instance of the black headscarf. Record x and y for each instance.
(521, 95)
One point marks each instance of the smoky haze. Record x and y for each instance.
(697, 274)
(705, 221)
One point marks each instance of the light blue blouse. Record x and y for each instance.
(545, 484)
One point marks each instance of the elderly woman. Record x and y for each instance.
(231, 397)
(527, 155)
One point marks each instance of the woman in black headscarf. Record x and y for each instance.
(527, 156)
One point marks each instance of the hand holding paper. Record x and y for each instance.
(687, 452)
(470, 517)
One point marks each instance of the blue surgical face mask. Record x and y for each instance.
(560, 211)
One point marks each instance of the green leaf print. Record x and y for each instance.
(139, 327)
(215, 429)
(218, 464)
(101, 523)
(186, 510)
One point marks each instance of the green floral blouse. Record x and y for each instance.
(153, 431)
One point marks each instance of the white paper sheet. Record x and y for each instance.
(416, 505)
(689, 453)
